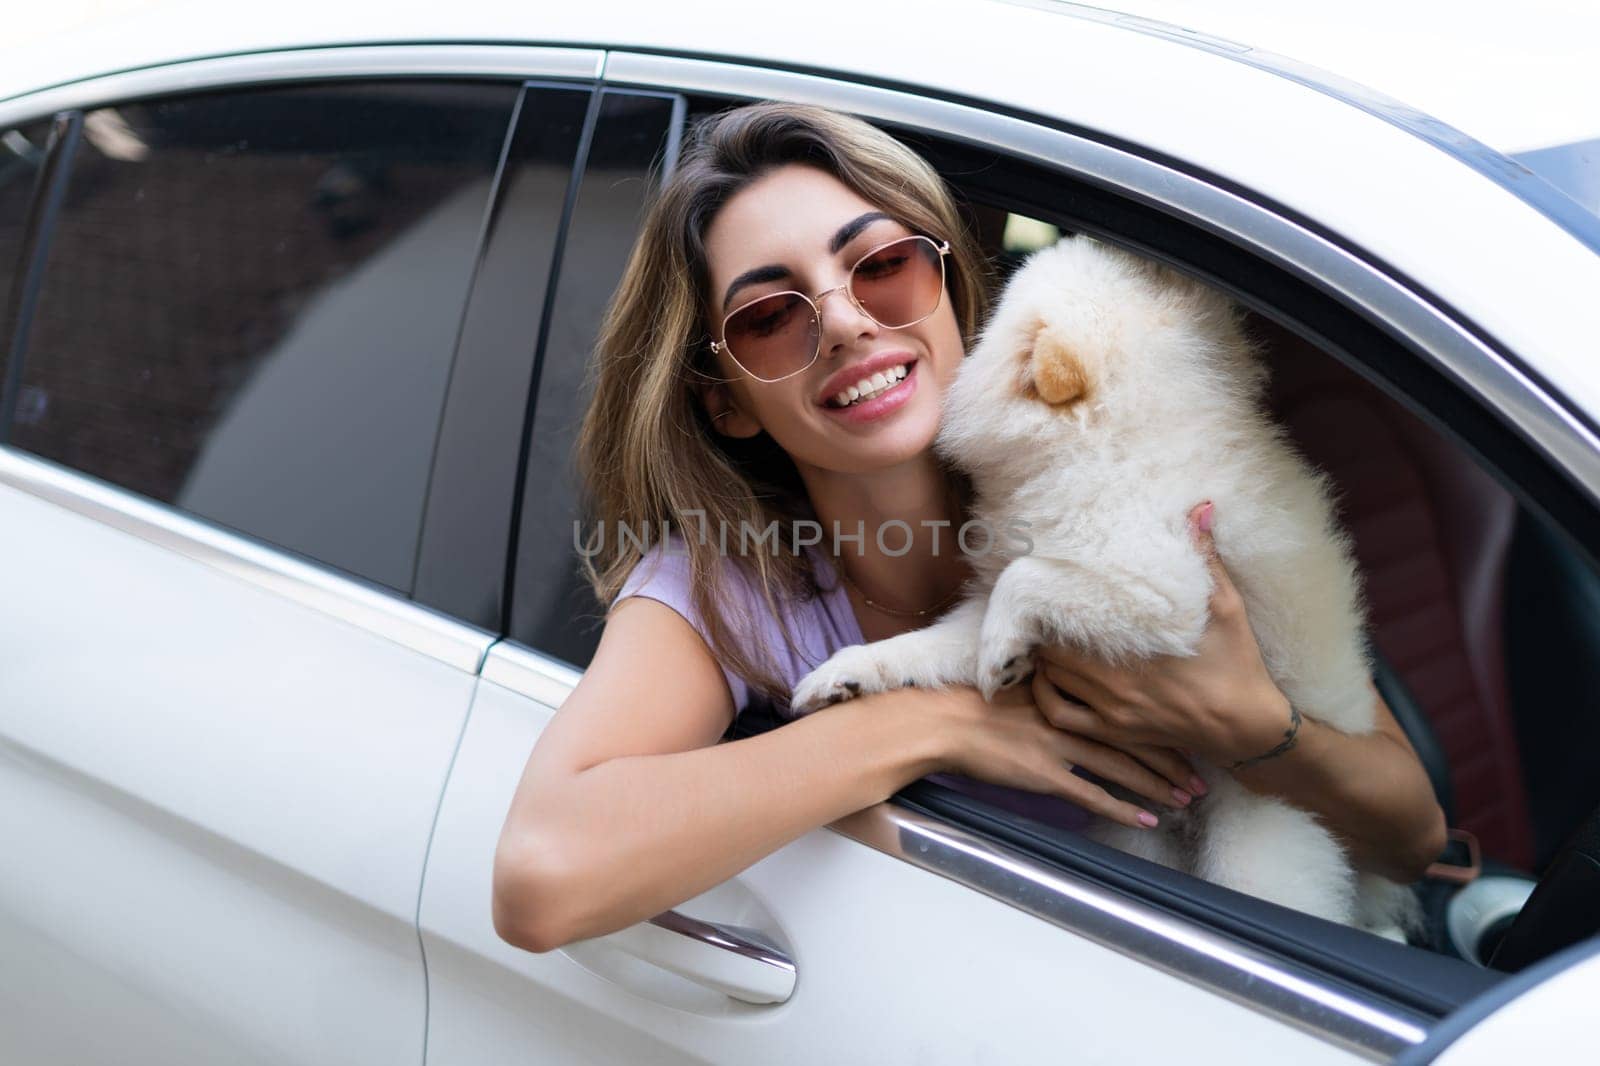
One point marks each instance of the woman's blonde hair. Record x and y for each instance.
(646, 452)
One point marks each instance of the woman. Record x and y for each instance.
(718, 411)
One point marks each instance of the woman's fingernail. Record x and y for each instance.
(1182, 797)
(1147, 819)
(1197, 785)
(1205, 517)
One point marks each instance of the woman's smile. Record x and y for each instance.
(872, 389)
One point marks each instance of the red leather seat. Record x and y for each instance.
(1431, 531)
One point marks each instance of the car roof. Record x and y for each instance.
(1515, 78)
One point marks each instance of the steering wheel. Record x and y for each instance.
(1564, 907)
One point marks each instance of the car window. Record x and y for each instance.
(553, 609)
(21, 161)
(250, 303)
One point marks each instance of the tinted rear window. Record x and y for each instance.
(251, 301)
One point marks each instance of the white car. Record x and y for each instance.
(296, 311)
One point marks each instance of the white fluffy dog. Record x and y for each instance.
(1107, 396)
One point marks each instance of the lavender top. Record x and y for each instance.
(820, 628)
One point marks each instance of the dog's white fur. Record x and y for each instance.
(1107, 396)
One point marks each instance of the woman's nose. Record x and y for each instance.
(843, 317)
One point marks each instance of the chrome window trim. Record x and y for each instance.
(530, 673)
(1221, 965)
(352, 61)
(1446, 343)
(1123, 924)
(375, 610)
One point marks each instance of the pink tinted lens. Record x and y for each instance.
(900, 283)
(774, 336)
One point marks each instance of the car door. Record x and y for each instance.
(224, 722)
(892, 936)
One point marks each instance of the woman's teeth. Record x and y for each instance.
(867, 388)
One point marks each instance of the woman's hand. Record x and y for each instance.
(1220, 704)
(1369, 788)
(1008, 741)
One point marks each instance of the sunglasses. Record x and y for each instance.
(897, 284)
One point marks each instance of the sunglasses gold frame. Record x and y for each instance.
(943, 248)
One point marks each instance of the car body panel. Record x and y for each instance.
(216, 799)
(1513, 78)
(1545, 1024)
(1537, 1015)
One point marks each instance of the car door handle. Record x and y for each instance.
(736, 961)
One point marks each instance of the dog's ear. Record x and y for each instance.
(1057, 371)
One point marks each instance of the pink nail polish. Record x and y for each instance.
(1147, 819)
(1205, 517)
(1197, 785)
(1182, 797)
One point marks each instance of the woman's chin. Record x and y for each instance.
(831, 443)
(889, 446)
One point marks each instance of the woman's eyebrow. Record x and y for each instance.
(842, 236)
(777, 272)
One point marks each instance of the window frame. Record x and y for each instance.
(474, 585)
(17, 299)
(516, 561)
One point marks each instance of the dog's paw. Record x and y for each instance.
(851, 672)
(1003, 666)
(812, 695)
(1006, 642)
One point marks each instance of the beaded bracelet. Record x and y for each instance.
(1284, 745)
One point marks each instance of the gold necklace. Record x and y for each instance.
(941, 605)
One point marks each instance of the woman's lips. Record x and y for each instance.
(883, 403)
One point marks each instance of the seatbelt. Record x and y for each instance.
(1461, 861)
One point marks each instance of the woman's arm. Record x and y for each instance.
(628, 805)
(1369, 789)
